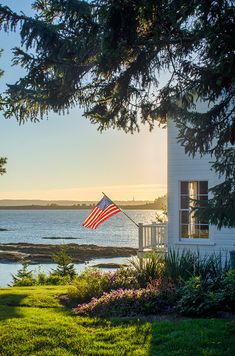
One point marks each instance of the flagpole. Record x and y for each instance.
(121, 210)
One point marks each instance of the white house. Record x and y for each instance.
(187, 178)
(191, 177)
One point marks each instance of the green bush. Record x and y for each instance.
(197, 298)
(167, 290)
(41, 278)
(24, 277)
(55, 279)
(89, 284)
(124, 278)
(227, 295)
(24, 282)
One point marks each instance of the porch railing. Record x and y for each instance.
(152, 237)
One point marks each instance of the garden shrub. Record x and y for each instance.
(124, 278)
(124, 302)
(24, 282)
(227, 295)
(24, 278)
(93, 283)
(197, 298)
(41, 278)
(167, 290)
(55, 279)
(89, 284)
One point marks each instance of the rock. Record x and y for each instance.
(109, 265)
(9, 256)
(60, 238)
(43, 253)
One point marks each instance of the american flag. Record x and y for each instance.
(103, 211)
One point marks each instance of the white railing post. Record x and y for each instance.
(153, 235)
(141, 237)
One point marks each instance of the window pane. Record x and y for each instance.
(184, 188)
(193, 219)
(203, 200)
(194, 231)
(184, 202)
(192, 202)
(193, 190)
(204, 231)
(203, 220)
(184, 217)
(184, 231)
(203, 187)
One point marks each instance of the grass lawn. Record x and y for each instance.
(32, 322)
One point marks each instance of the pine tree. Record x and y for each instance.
(65, 266)
(23, 275)
(108, 56)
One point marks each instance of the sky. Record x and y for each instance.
(64, 157)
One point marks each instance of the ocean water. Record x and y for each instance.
(33, 225)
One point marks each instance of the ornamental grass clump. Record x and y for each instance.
(124, 302)
(180, 266)
(148, 268)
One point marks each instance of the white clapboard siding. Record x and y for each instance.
(182, 167)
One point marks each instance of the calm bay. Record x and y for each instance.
(45, 226)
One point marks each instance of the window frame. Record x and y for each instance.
(197, 224)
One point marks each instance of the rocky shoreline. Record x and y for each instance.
(43, 253)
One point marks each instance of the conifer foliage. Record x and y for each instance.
(23, 276)
(65, 267)
(109, 55)
(3, 161)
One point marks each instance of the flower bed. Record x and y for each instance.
(124, 302)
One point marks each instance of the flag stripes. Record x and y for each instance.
(103, 211)
(93, 216)
(108, 213)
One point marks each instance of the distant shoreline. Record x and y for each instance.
(76, 207)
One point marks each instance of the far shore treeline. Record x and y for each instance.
(157, 204)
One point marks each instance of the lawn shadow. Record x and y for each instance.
(9, 305)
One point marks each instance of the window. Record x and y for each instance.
(190, 226)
